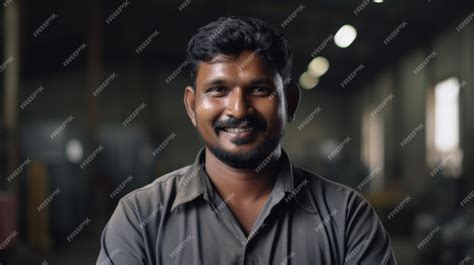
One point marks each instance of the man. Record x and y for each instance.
(243, 201)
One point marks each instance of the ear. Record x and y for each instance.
(293, 95)
(190, 103)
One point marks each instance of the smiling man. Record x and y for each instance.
(243, 201)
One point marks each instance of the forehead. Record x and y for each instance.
(242, 69)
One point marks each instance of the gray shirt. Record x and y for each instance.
(181, 219)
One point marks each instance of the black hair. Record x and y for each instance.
(233, 35)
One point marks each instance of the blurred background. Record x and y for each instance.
(91, 108)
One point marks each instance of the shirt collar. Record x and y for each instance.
(195, 182)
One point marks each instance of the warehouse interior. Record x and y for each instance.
(91, 90)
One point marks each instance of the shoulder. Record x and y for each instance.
(329, 194)
(158, 194)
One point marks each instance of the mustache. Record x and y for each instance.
(232, 122)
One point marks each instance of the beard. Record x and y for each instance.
(250, 159)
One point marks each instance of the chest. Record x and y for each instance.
(246, 214)
(213, 237)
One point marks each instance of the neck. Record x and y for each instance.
(248, 184)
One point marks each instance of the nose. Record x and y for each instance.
(238, 105)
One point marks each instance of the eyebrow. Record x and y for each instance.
(215, 82)
(262, 80)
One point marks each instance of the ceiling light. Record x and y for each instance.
(345, 36)
(318, 66)
(308, 81)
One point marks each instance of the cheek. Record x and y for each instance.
(206, 104)
(273, 112)
(207, 112)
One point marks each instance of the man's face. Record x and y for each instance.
(239, 108)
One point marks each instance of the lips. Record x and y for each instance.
(239, 135)
(238, 129)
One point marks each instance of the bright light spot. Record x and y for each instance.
(318, 66)
(447, 115)
(378, 1)
(345, 36)
(74, 150)
(307, 81)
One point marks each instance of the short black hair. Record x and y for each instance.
(233, 35)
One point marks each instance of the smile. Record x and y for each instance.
(238, 130)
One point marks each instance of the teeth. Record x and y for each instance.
(238, 130)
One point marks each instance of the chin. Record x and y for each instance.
(245, 156)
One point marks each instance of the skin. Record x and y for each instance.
(239, 87)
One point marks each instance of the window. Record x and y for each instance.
(373, 150)
(444, 151)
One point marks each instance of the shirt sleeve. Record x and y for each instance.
(367, 242)
(122, 242)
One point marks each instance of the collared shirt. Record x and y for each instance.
(181, 219)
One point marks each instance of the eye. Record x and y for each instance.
(262, 91)
(217, 91)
